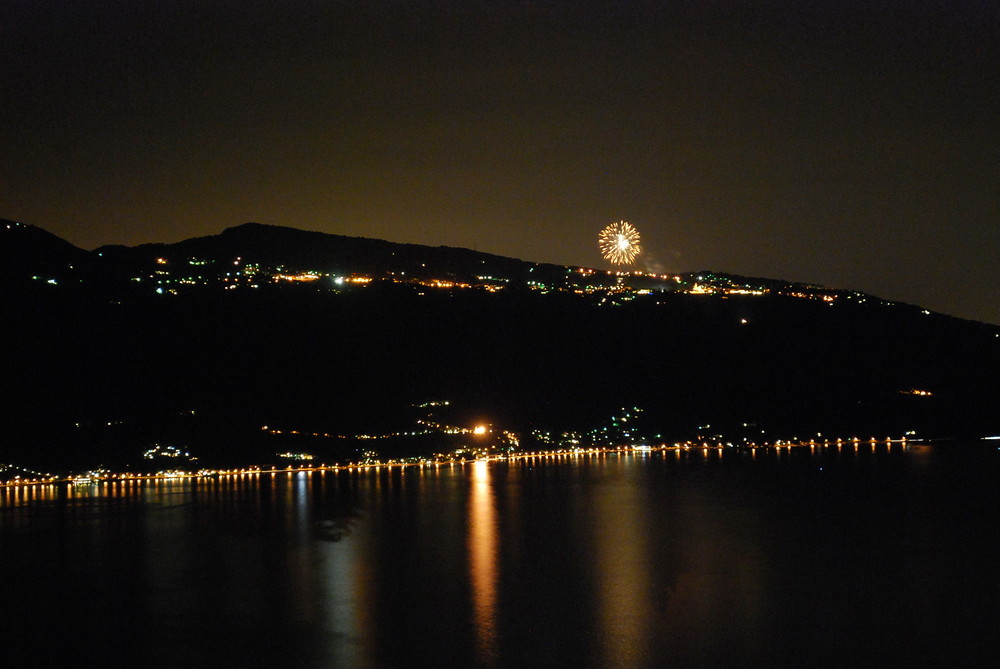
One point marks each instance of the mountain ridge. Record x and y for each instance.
(291, 335)
(309, 249)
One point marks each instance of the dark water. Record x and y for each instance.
(877, 556)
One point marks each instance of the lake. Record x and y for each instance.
(804, 556)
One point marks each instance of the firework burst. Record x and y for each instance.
(619, 243)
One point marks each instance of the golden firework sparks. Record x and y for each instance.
(619, 243)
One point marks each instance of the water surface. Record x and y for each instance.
(826, 556)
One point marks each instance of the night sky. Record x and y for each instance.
(855, 145)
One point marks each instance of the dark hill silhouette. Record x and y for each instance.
(273, 245)
(26, 251)
(353, 360)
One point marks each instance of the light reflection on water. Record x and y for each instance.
(483, 560)
(845, 554)
(625, 586)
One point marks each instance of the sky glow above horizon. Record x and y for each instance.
(834, 143)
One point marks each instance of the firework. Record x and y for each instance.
(619, 243)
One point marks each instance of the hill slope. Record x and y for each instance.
(351, 358)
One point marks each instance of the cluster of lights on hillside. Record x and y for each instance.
(169, 275)
(478, 441)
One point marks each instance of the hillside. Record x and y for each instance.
(328, 333)
(26, 251)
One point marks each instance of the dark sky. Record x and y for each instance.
(855, 145)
